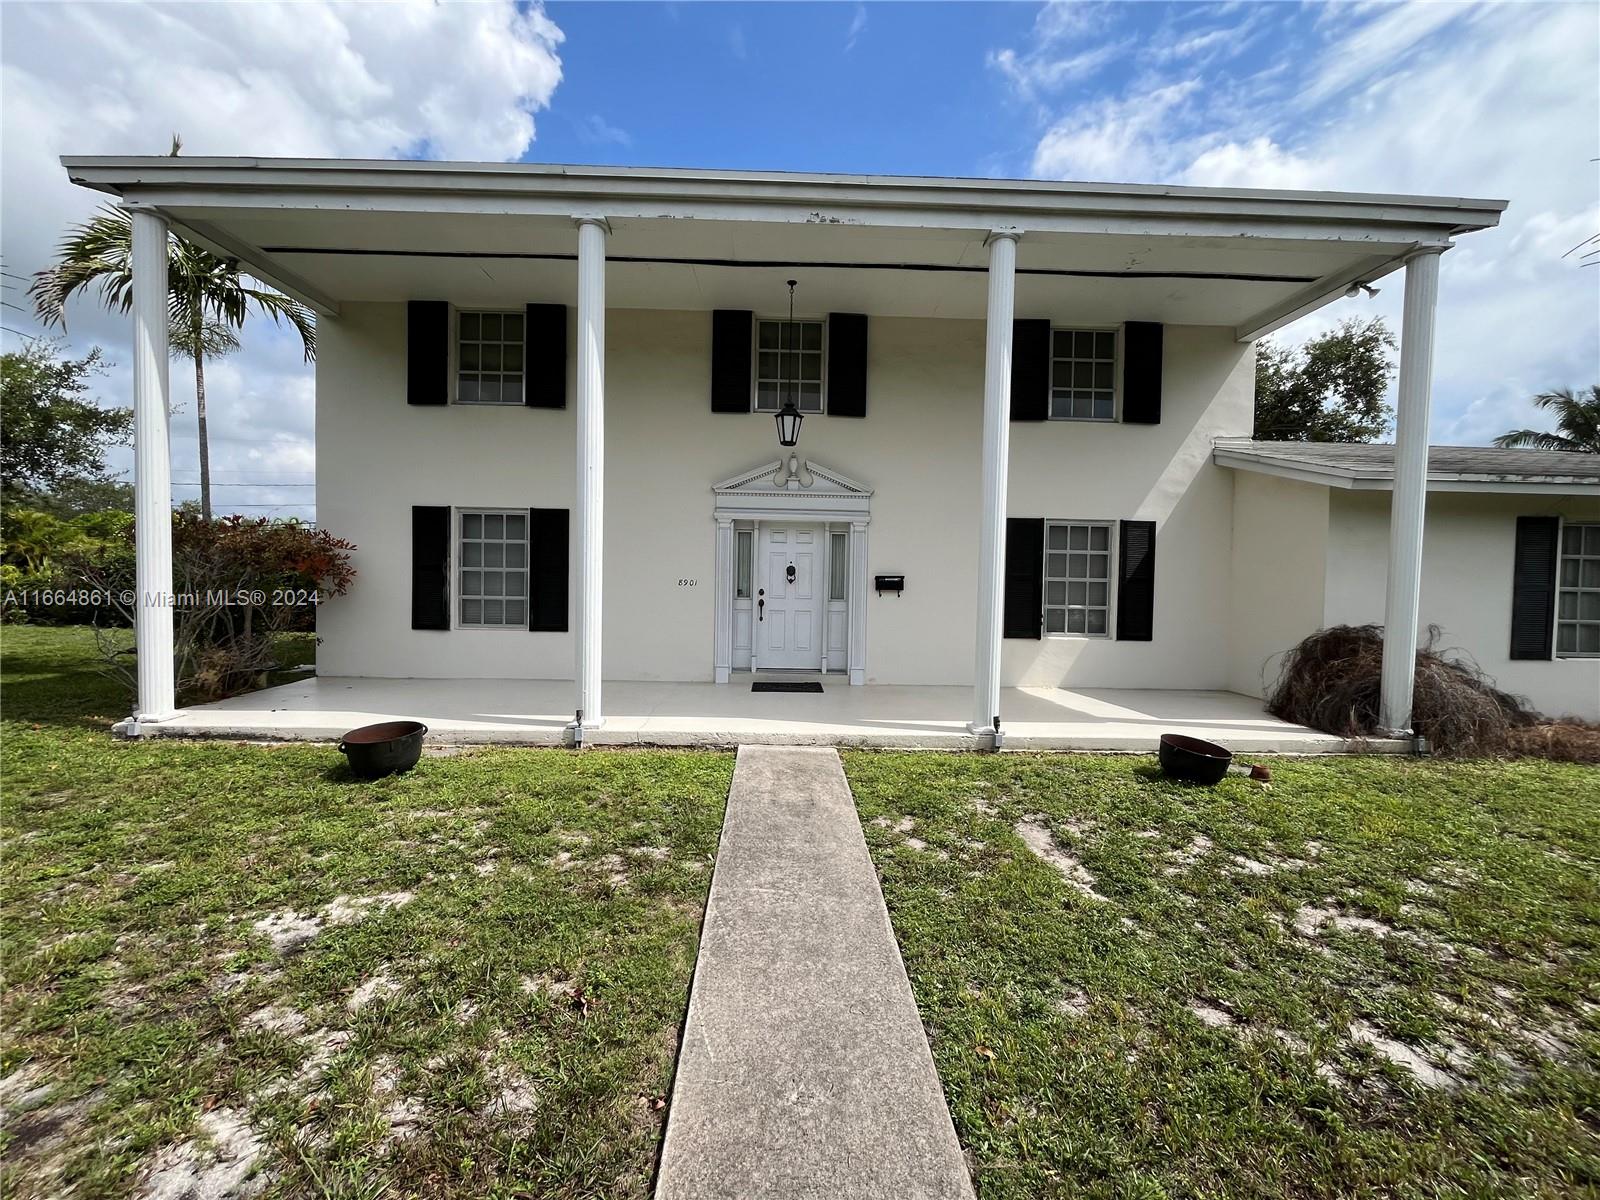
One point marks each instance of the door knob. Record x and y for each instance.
(761, 605)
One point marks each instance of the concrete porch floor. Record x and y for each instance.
(536, 712)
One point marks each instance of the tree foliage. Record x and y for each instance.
(1331, 389)
(51, 433)
(1577, 423)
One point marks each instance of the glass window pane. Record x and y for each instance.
(469, 325)
(494, 583)
(1075, 622)
(472, 612)
(1058, 537)
(768, 366)
(472, 583)
(810, 397)
(1099, 537)
(494, 525)
(493, 612)
(1075, 593)
(1082, 344)
(1055, 620)
(467, 392)
(511, 357)
(1099, 566)
(1056, 566)
(491, 326)
(494, 554)
(1589, 639)
(516, 525)
(472, 554)
(811, 335)
(471, 525)
(516, 612)
(1082, 404)
(1105, 345)
(767, 335)
(1096, 620)
(470, 360)
(511, 329)
(1569, 572)
(490, 357)
(788, 336)
(516, 583)
(1567, 606)
(1082, 375)
(1566, 639)
(1589, 576)
(1061, 343)
(838, 562)
(1080, 537)
(1055, 592)
(1104, 375)
(1060, 404)
(1572, 539)
(811, 366)
(1591, 539)
(516, 554)
(1097, 594)
(767, 397)
(1588, 605)
(1104, 406)
(1078, 566)
(742, 587)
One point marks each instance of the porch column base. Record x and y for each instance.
(858, 676)
(134, 726)
(722, 675)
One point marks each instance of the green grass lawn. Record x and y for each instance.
(233, 967)
(1372, 978)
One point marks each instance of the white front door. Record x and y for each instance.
(789, 605)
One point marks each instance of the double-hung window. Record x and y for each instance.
(789, 364)
(1083, 374)
(493, 571)
(1077, 578)
(489, 357)
(1578, 592)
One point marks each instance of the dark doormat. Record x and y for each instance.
(777, 686)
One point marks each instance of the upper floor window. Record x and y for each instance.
(1077, 578)
(489, 358)
(789, 364)
(1083, 374)
(1578, 593)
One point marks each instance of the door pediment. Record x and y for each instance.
(793, 487)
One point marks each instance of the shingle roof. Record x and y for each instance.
(1456, 468)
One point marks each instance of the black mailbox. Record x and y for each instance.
(890, 583)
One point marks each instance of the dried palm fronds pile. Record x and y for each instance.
(1331, 682)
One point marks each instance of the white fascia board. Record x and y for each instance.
(526, 189)
(1354, 480)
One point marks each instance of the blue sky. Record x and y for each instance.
(1496, 100)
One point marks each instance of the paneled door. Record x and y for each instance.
(789, 606)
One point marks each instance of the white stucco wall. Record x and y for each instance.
(918, 448)
(1280, 543)
(1466, 584)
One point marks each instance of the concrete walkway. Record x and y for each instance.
(805, 1071)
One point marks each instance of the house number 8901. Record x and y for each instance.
(688, 583)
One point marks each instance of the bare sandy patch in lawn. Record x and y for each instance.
(290, 929)
(1212, 1018)
(1036, 835)
(1181, 860)
(216, 1165)
(1409, 1059)
(381, 986)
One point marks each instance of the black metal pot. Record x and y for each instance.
(1193, 759)
(374, 751)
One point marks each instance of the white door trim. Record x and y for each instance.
(799, 491)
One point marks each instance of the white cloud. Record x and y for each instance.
(299, 79)
(597, 131)
(1493, 100)
(858, 25)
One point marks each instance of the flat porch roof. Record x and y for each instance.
(536, 712)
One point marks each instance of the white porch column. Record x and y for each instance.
(722, 651)
(996, 438)
(856, 645)
(152, 471)
(1409, 502)
(592, 233)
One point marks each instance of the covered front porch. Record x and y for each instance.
(538, 713)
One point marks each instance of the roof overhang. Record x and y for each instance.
(331, 230)
(1358, 479)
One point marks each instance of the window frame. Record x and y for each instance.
(1116, 373)
(455, 356)
(1045, 579)
(457, 593)
(1578, 590)
(755, 363)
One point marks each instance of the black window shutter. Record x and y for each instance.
(1030, 370)
(430, 566)
(1141, 373)
(1533, 587)
(547, 570)
(1136, 581)
(544, 356)
(427, 352)
(847, 364)
(1022, 609)
(730, 360)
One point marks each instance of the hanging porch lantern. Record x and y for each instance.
(789, 416)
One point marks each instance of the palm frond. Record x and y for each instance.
(1533, 439)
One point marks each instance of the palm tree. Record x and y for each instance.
(1577, 419)
(207, 300)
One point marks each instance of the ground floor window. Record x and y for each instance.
(1077, 578)
(1578, 593)
(493, 575)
